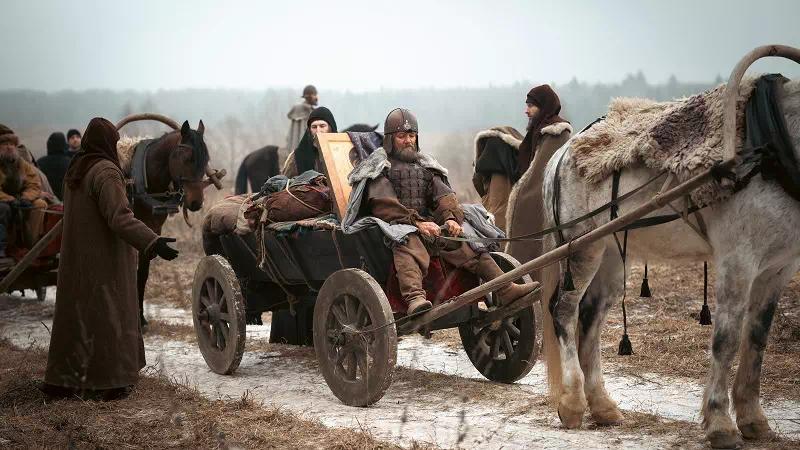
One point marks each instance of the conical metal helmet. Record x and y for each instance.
(400, 120)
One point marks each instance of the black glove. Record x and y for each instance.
(160, 248)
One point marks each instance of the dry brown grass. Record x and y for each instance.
(668, 340)
(159, 414)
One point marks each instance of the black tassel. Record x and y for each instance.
(625, 346)
(645, 292)
(705, 316)
(569, 285)
(705, 312)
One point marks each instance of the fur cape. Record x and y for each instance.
(509, 135)
(682, 136)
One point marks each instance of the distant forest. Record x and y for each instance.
(239, 121)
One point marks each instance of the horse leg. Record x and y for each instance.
(604, 289)
(766, 292)
(564, 310)
(733, 287)
(142, 272)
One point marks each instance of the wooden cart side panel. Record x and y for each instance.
(335, 149)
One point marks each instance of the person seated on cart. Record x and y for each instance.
(20, 191)
(413, 190)
(306, 155)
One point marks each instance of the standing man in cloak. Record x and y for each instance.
(306, 155)
(96, 347)
(547, 132)
(298, 116)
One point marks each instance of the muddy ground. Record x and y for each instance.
(437, 397)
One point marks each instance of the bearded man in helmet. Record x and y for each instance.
(413, 190)
(298, 116)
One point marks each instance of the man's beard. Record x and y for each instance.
(408, 154)
(9, 158)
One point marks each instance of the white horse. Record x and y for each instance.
(754, 242)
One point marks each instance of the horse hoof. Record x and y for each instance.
(756, 430)
(608, 417)
(724, 439)
(569, 418)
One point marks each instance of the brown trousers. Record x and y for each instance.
(412, 259)
(34, 222)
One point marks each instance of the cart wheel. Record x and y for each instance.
(504, 350)
(41, 293)
(219, 312)
(357, 367)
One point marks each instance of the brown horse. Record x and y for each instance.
(175, 167)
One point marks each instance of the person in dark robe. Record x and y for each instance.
(96, 348)
(542, 107)
(306, 155)
(54, 164)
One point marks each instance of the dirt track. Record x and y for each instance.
(437, 396)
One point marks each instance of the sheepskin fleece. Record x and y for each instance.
(509, 135)
(682, 136)
(125, 148)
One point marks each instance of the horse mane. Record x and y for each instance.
(200, 154)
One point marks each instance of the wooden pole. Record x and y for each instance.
(558, 253)
(32, 254)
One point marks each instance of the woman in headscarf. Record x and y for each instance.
(306, 155)
(547, 132)
(96, 347)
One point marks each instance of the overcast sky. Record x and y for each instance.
(366, 45)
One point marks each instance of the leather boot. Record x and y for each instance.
(485, 267)
(418, 304)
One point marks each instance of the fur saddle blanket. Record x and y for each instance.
(682, 136)
(125, 148)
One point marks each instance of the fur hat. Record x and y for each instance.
(7, 135)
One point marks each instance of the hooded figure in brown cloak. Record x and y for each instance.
(547, 132)
(96, 347)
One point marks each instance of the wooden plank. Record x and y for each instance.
(29, 257)
(335, 149)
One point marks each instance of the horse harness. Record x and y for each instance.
(160, 204)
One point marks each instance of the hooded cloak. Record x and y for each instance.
(549, 105)
(305, 156)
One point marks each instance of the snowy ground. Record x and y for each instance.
(474, 413)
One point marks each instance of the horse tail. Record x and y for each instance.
(241, 178)
(552, 356)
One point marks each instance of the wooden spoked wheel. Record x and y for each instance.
(218, 311)
(354, 337)
(504, 350)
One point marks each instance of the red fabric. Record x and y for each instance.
(442, 283)
(52, 215)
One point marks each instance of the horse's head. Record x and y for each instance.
(188, 165)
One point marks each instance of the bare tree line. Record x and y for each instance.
(239, 121)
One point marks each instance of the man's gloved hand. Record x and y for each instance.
(160, 248)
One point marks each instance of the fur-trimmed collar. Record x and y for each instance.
(504, 133)
(378, 161)
(557, 128)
